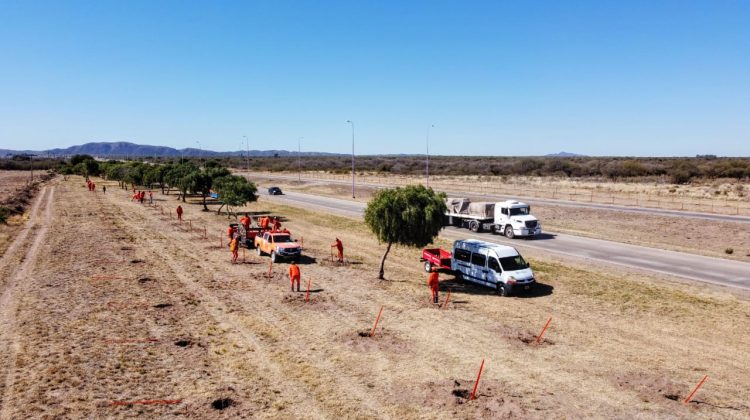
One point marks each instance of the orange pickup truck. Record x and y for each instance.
(278, 245)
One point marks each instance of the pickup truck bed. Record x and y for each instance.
(436, 257)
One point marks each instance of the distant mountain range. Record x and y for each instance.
(125, 149)
(564, 154)
(122, 149)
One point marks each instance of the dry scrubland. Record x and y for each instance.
(682, 234)
(116, 302)
(12, 198)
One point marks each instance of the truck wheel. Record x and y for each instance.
(273, 256)
(501, 290)
(427, 266)
(509, 232)
(260, 253)
(474, 226)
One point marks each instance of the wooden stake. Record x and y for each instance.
(270, 268)
(191, 225)
(376, 321)
(690, 397)
(476, 384)
(447, 299)
(205, 233)
(539, 337)
(307, 295)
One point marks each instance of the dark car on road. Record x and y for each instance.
(275, 191)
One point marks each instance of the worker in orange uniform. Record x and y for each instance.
(234, 246)
(230, 233)
(245, 221)
(264, 222)
(434, 282)
(294, 275)
(179, 213)
(340, 248)
(276, 224)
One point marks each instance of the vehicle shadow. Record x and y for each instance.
(459, 286)
(306, 260)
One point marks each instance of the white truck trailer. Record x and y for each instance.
(510, 218)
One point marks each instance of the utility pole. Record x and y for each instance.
(247, 156)
(299, 159)
(352, 123)
(427, 163)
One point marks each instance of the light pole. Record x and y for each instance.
(427, 162)
(299, 158)
(247, 156)
(352, 123)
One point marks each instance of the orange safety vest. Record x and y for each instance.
(294, 271)
(233, 245)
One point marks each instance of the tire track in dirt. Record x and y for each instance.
(271, 323)
(8, 333)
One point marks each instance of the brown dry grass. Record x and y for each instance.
(618, 346)
(11, 181)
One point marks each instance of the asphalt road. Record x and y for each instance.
(534, 201)
(717, 271)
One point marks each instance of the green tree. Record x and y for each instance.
(177, 177)
(200, 182)
(411, 216)
(234, 191)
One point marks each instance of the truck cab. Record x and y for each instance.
(497, 266)
(513, 218)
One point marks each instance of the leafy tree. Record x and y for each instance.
(200, 182)
(411, 216)
(234, 191)
(156, 174)
(177, 177)
(76, 159)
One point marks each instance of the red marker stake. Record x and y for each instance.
(372, 333)
(221, 241)
(476, 384)
(307, 295)
(539, 337)
(447, 299)
(270, 268)
(205, 233)
(690, 397)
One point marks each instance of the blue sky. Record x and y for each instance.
(496, 78)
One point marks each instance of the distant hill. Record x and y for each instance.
(123, 149)
(564, 154)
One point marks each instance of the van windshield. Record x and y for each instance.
(513, 263)
(521, 211)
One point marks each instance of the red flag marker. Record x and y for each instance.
(307, 295)
(447, 299)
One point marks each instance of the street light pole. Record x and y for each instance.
(247, 156)
(299, 158)
(427, 162)
(352, 123)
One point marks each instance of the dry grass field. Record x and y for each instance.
(11, 188)
(111, 309)
(675, 233)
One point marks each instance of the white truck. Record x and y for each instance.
(510, 218)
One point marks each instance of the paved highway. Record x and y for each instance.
(533, 201)
(688, 266)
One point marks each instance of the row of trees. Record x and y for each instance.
(677, 170)
(185, 177)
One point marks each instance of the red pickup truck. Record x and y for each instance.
(436, 257)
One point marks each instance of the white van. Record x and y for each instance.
(498, 266)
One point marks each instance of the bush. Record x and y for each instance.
(729, 251)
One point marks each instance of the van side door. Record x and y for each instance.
(479, 267)
(462, 262)
(494, 270)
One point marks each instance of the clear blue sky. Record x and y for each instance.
(496, 78)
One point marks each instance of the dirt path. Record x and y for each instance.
(18, 272)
